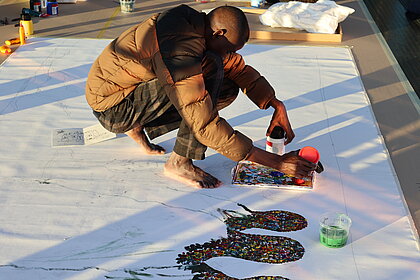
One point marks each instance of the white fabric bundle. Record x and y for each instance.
(320, 17)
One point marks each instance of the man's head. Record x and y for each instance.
(227, 30)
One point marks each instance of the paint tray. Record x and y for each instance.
(247, 173)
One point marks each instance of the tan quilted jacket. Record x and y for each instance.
(170, 46)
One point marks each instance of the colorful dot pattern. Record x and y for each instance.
(253, 247)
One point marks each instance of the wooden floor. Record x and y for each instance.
(396, 110)
(401, 34)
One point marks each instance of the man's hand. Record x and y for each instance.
(280, 119)
(293, 164)
(290, 163)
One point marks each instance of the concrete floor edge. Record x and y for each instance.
(393, 61)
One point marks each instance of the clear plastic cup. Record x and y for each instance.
(334, 229)
(127, 6)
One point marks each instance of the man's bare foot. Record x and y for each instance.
(181, 168)
(138, 135)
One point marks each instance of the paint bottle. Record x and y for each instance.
(311, 154)
(5, 50)
(52, 8)
(275, 141)
(43, 4)
(26, 22)
(36, 6)
(21, 34)
(14, 41)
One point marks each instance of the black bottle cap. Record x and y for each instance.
(25, 17)
(277, 133)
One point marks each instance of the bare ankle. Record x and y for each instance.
(135, 131)
(139, 136)
(182, 169)
(177, 160)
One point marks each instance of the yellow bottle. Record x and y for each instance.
(22, 34)
(13, 41)
(26, 22)
(5, 50)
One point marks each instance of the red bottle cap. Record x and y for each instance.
(310, 153)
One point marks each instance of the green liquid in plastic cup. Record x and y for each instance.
(334, 230)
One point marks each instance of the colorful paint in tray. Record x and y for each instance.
(254, 174)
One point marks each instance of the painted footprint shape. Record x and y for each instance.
(253, 247)
(205, 272)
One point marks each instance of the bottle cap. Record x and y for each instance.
(310, 153)
(25, 17)
(5, 50)
(277, 133)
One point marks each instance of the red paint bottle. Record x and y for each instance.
(37, 6)
(308, 153)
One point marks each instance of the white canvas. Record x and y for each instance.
(105, 211)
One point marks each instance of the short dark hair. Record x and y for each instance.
(234, 18)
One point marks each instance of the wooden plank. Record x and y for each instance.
(253, 10)
(297, 36)
(262, 32)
